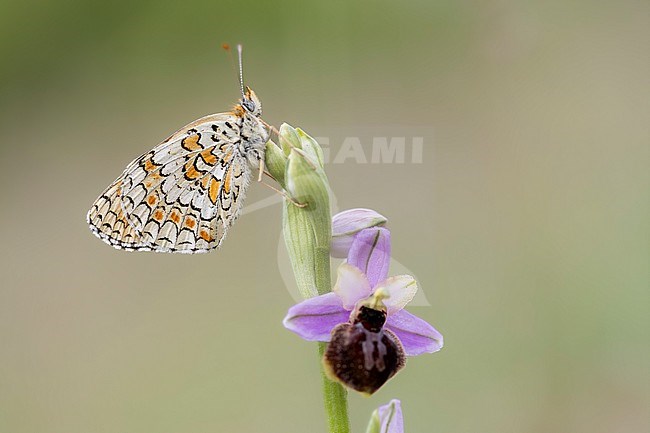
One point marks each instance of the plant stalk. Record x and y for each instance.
(298, 165)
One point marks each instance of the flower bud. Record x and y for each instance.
(289, 138)
(346, 224)
(311, 147)
(387, 419)
(307, 229)
(275, 161)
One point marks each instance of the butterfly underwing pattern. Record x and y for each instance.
(184, 194)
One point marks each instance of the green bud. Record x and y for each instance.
(307, 229)
(288, 138)
(311, 147)
(275, 161)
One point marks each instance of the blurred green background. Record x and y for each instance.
(526, 223)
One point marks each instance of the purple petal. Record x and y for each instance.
(314, 318)
(391, 418)
(416, 335)
(346, 224)
(370, 252)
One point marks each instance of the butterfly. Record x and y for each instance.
(184, 194)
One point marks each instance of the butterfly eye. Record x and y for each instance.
(248, 105)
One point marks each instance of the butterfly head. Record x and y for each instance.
(251, 103)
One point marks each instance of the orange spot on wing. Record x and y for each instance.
(175, 217)
(206, 236)
(226, 180)
(151, 179)
(209, 157)
(151, 200)
(158, 215)
(190, 172)
(149, 166)
(214, 190)
(191, 143)
(189, 222)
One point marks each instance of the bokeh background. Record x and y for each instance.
(527, 222)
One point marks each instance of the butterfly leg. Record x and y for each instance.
(285, 195)
(282, 193)
(274, 130)
(271, 127)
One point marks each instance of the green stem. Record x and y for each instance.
(298, 166)
(311, 262)
(335, 397)
(336, 401)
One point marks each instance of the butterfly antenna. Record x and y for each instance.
(241, 71)
(226, 48)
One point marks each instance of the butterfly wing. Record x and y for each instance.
(182, 196)
(108, 222)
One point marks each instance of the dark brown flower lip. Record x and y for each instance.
(363, 360)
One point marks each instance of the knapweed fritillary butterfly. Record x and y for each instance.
(184, 194)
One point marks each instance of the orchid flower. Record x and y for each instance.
(363, 285)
